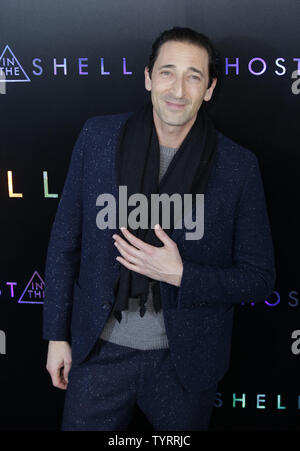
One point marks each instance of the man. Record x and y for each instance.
(145, 316)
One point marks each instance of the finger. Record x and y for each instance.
(67, 367)
(57, 379)
(127, 247)
(136, 241)
(126, 255)
(63, 382)
(163, 236)
(130, 265)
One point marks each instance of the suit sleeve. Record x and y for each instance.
(251, 278)
(64, 249)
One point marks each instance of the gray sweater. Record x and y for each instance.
(147, 332)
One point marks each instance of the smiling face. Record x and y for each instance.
(179, 82)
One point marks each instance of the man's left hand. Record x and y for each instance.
(159, 263)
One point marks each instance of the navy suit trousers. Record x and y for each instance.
(103, 390)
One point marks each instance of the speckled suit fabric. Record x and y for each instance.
(232, 263)
(103, 390)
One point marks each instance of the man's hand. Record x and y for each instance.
(59, 362)
(159, 263)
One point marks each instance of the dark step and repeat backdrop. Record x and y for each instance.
(65, 61)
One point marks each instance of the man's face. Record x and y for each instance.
(179, 82)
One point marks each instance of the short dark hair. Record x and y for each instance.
(184, 34)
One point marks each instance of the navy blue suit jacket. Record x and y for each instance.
(232, 263)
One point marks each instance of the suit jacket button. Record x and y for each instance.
(106, 305)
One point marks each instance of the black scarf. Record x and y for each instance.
(137, 166)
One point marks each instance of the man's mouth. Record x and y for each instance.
(175, 106)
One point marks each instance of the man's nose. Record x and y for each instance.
(178, 87)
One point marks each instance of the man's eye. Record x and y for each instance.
(165, 72)
(195, 77)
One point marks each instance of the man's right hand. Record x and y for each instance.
(59, 362)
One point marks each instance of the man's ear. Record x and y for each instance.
(210, 90)
(147, 79)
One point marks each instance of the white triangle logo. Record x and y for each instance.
(11, 68)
